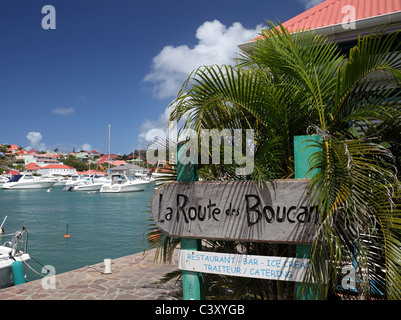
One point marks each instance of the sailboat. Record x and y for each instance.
(120, 183)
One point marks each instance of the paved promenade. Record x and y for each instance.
(133, 277)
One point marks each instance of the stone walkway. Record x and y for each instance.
(133, 277)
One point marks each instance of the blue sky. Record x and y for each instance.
(117, 62)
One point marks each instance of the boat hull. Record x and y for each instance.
(121, 188)
(6, 276)
(88, 187)
(30, 185)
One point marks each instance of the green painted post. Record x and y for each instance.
(302, 152)
(192, 282)
(17, 270)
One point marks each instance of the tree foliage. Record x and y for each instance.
(297, 84)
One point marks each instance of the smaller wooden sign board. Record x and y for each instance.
(239, 265)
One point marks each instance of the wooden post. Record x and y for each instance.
(302, 153)
(192, 282)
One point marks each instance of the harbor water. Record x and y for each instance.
(100, 225)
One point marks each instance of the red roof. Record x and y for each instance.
(93, 172)
(105, 158)
(118, 162)
(32, 166)
(13, 147)
(57, 166)
(330, 13)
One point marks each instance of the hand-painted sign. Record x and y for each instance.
(280, 211)
(239, 265)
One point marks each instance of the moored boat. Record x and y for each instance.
(87, 186)
(9, 253)
(28, 181)
(92, 183)
(123, 183)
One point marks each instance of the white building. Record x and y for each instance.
(42, 159)
(129, 169)
(57, 170)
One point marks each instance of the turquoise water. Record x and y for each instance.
(100, 225)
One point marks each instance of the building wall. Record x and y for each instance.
(52, 171)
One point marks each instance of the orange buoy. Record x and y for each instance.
(67, 235)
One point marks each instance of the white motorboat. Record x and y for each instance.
(123, 183)
(27, 181)
(92, 183)
(88, 185)
(9, 252)
(75, 180)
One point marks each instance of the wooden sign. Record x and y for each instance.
(239, 265)
(280, 211)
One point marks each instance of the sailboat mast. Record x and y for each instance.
(109, 149)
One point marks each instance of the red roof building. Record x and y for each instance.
(334, 12)
(57, 169)
(343, 20)
(118, 162)
(41, 159)
(57, 166)
(93, 172)
(32, 167)
(13, 148)
(105, 158)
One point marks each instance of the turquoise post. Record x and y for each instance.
(302, 152)
(17, 270)
(192, 282)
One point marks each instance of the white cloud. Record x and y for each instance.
(86, 147)
(35, 139)
(217, 44)
(160, 123)
(310, 3)
(63, 111)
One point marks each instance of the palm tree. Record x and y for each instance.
(301, 83)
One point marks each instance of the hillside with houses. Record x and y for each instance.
(15, 159)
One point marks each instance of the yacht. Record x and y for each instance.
(123, 183)
(93, 183)
(87, 186)
(9, 253)
(77, 179)
(27, 181)
(90, 184)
